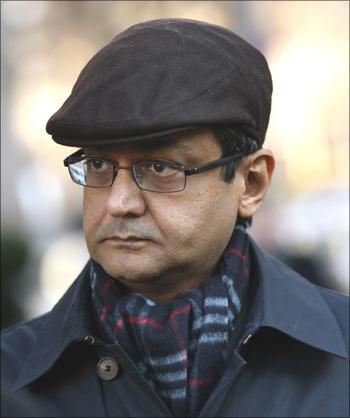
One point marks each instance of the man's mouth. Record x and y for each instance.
(126, 240)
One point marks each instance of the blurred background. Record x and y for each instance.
(45, 44)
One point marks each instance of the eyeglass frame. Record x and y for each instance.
(77, 156)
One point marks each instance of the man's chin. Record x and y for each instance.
(131, 270)
(129, 262)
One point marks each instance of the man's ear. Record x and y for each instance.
(257, 170)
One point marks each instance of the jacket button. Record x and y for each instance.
(89, 339)
(107, 368)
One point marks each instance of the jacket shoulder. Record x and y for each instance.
(16, 342)
(25, 329)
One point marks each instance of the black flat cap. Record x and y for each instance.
(165, 76)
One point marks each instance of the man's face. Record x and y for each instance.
(161, 240)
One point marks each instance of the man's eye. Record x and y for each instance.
(161, 167)
(96, 164)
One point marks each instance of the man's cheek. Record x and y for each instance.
(178, 225)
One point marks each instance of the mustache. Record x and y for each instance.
(117, 227)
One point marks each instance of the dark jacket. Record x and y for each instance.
(291, 360)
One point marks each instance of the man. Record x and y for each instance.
(178, 312)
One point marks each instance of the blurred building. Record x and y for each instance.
(44, 46)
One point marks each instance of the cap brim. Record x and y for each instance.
(103, 142)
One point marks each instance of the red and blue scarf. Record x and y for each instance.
(181, 347)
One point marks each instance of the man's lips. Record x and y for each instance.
(126, 238)
(129, 239)
(130, 242)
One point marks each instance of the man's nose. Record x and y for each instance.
(125, 198)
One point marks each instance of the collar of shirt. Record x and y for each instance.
(284, 301)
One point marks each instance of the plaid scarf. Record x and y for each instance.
(181, 347)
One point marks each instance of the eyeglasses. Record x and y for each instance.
(155, 176)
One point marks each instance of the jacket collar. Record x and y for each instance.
(67, 322)
(285, 301)
(291, 304)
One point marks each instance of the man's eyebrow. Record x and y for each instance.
(171, 144)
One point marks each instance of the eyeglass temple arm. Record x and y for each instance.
(213, 164)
